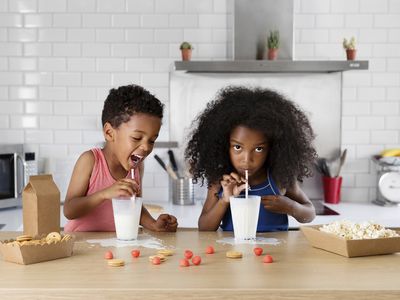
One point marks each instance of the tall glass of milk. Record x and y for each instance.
(126, 217)
(245, 216)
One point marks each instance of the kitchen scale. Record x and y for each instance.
(388, 185)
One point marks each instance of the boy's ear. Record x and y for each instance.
(108, 132)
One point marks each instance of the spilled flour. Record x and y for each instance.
(256, 241)
(143, 240)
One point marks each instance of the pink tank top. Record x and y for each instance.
(101, 218)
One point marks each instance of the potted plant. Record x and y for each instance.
(350, 47)
(186, 50)
(273, 44)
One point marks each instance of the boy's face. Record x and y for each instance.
(135, 137)
(248, 150)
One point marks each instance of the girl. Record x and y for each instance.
(257, 130)
(131, 122)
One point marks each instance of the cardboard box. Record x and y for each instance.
(41, 220)
(350, 248)
(23, 254)
(41, 206)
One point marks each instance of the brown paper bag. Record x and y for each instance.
(41, 206)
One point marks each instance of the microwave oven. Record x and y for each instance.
(15, 168)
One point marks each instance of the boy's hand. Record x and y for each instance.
(125, 187)
(277, 204)
(165, 222)
(232, 185)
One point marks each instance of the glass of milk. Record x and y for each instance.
(126, 217)
(245, 216)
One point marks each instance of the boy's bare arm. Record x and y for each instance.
(76, 203)
(213, 210)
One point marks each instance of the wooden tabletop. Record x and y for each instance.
(298, 272)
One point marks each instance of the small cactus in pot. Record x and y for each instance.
(186, 50)
(273, 42)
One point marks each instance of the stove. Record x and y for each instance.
(321, 209)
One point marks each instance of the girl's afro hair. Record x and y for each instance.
(287, 129)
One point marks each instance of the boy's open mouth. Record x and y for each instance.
(136, 159)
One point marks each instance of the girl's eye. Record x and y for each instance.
(237, 147)
(259, 149)
(136, 139)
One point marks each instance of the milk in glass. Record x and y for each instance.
(245, 216)
(126, 217)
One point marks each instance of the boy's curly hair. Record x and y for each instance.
(287, 129)
(124, 101)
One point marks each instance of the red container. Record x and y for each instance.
(332, 187)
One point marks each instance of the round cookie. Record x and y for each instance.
(166, 252)
(234, 254)
(116, 262)
(53, 236)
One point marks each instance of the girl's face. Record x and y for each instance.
(248, 151)
(135, 137)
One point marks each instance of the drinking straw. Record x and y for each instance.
(246, 172)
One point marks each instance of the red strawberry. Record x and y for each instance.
(196, 260)
(135, 253)
(268, 259)
(258, 251)
(210, 250)
(188, 254)
(184, 263)
(108, 255)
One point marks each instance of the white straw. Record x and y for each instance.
(247, 183)
(133, 177)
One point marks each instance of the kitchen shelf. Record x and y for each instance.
(268, 66)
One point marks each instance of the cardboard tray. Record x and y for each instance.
(30, 254)
(350, 248)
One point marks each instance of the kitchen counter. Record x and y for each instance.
(188, 215)
(298, 272)
(387, 216)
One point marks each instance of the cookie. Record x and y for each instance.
(66, 238)
(53, 237)
(234, 254)
(116, 262)
(166, 252)
(160, 256)
(23, 238)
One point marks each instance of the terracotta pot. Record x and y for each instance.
(186, 54)
(351, 54)
(272, 54)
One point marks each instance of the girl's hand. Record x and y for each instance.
(232, 185)
(277, 204)
(125, 187)
(165, 222)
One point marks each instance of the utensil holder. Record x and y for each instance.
(182, 191)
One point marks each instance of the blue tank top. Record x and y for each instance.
(267, 221)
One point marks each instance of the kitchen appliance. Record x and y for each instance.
(388, 177)
(15, 168)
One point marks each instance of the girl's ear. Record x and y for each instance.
(108, 132)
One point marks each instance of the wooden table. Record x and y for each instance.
(298, 272)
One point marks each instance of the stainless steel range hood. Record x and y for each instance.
(252, 21)
(265, 66)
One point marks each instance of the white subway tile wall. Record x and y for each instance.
(59, 58)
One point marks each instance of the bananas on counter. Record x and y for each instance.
(390, 152)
